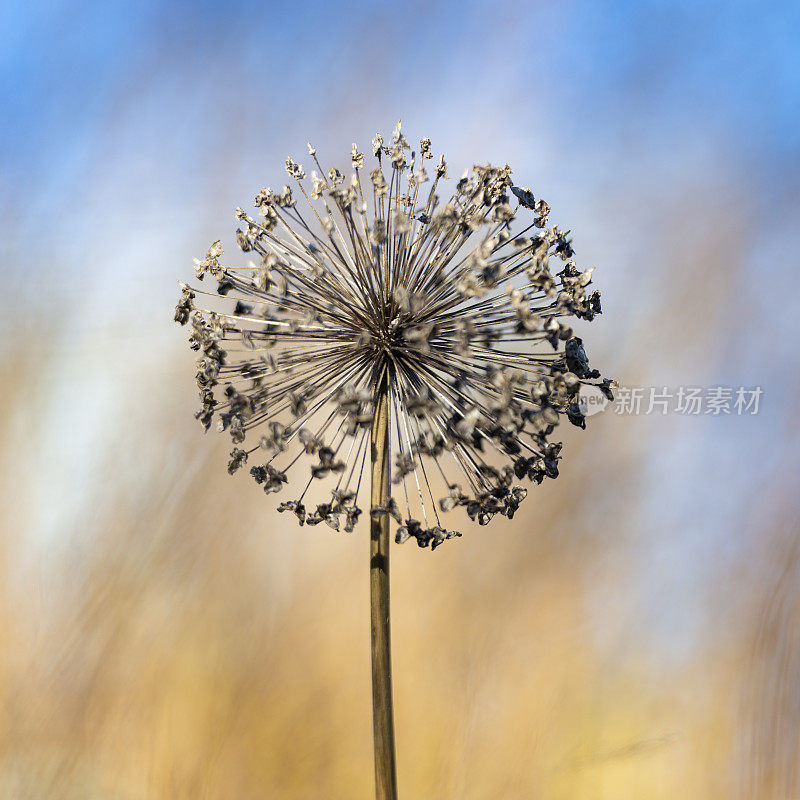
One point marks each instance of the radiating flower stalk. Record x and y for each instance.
(377, 319)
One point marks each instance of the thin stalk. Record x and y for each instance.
(382, 709)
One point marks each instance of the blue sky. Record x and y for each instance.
(632, 71)
(176, 101)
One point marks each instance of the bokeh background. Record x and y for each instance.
(633, 633)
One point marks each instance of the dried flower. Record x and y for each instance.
(460, 306)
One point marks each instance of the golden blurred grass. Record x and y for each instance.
(180, 640)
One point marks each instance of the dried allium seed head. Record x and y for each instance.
(458, 307)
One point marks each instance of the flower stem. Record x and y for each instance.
(382, 710)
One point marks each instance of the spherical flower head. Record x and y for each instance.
(457, 310)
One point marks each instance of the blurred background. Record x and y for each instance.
(633, 633)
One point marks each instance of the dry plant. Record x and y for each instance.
(382, 320)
